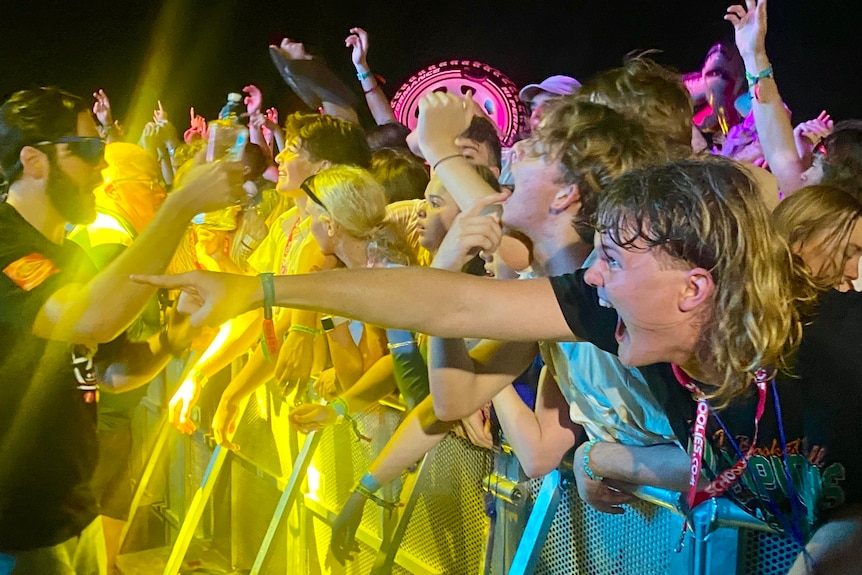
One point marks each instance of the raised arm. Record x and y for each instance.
(442, 118)
(77, 312)
(770, 116)
(377, 101)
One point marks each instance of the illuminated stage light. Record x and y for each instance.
(492, 89)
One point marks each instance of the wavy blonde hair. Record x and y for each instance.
(813, 211)
(708, 214)
(355, 201)
(594, 144)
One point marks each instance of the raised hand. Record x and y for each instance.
(102, 108)
(358, 43)
(808, 134)
(209, 187)
(749, 24)
(343, 545)
(293, 50)
(254, 99)
(475, 230)
(210, 298)
(442, 118)
(160, 116)
(310, 417)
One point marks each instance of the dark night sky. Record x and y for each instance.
(210, 48)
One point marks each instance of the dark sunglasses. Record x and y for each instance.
(305, 186)
(91, 149)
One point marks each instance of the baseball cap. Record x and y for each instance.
(557, 85)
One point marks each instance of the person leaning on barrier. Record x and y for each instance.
(722, 312)
(55, 310)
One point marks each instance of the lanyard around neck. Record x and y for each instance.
(728, 477)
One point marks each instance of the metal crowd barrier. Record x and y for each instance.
(269, 509)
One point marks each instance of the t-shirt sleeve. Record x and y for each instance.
(580, 306)
(29, 278)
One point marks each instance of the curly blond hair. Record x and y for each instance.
(594, 144)
(708, 214)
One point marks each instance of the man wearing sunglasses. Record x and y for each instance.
(54, 310)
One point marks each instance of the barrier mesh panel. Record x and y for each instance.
(583, 541)
(766, 554)
(447, 529)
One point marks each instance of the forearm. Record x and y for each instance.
(665, 465)
(459, 177)
(462, 382)
(774, 128)
(345, 355)
(140, 363)
(409, 444)
(254, 373)
(234, 339)
(80, 316)
(447, 304)
(539, 442)
(374, 384)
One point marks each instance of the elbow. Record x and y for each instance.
(447, 411)
(534, 467)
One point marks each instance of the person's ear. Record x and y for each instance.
(495, 170)
(699, 287)
(34, 162)
(331, 227)
(322, 165)
(110, 189)
(565, 197)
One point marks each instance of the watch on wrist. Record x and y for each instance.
(330, 322)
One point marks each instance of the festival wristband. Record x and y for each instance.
(369, 482)
(270, 341)
(339, 406)
(304, 329)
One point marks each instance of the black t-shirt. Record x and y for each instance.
(830, 374)
(47, 424)
(805, 405)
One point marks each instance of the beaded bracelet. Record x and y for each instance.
(587, 470)
(305, 329)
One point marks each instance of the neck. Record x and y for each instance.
(353, 252)
(695, 371)
(558, 253)
(300, 202)
(36, 209)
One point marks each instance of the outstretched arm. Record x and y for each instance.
(422, 300)
(76, 312)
